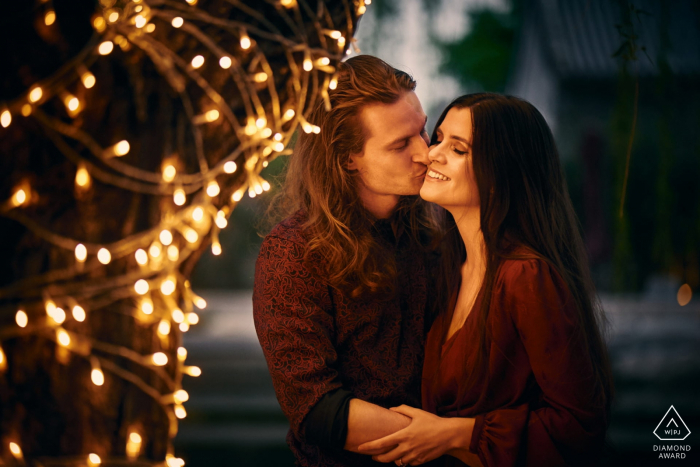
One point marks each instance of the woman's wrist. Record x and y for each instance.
(460, 431)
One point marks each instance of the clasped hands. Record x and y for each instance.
(426, 438)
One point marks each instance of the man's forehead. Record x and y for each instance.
(388, 121)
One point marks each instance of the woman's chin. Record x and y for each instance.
(427, 194)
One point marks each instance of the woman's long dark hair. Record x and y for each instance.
(524, 201)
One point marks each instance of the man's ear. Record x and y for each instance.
(352, 161)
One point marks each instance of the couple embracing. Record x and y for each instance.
(427, 299)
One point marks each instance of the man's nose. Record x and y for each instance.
(420, 155)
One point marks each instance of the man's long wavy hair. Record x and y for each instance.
(524, 201)
(318, 182)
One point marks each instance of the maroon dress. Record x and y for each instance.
(538, 411)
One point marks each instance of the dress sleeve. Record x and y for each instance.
(295, 327)
(562, 428)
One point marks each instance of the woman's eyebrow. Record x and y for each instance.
(459, 138)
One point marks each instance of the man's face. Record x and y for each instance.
(395, 155)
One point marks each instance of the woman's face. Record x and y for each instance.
(450, 180)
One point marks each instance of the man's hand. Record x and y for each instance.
(426, 438)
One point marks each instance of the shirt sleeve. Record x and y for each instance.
(295, 327)
(563, 428)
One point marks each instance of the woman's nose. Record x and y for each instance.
(435, 154)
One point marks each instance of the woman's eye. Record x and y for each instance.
(457, 151)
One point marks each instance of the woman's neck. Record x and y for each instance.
(468, 222)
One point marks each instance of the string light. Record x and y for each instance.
(104, 256)
(121, 148)
(96, 375)
(140, 21)
(169, 172)
(211, 115)
(220, 220)
(141, 257)
(62, 337)
(184, 327)
(166, 238)
(105, 48)
(58, 315)
(180, 411)
(197, 214)
(199, 302)
(177, 22)
(193, 371)
(94, 459)
(230, 167)
(19, 197)
(141, 287)
(181, 354)
(216, 248)
(197, 61)
(245, 41)
(35, 94)
(192, 318)
(164, 327)
(159, 359)
(179, 197)
(3, 360)
(155, 250)
(82, 177)
(21, 318)
(178, 315)
(191, 235)
(167, 287)
(16, 450)
(26, 110)
(133, 445)
(78, 313)
(5, 118)
(146, 305)
(260, 77)
(288, 3)
(225, 62)
(173, 253)
(88, 79)
(50, 17)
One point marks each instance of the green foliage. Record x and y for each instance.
(482, 57)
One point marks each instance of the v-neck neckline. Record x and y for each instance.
(447, 340)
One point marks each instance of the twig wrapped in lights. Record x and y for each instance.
(120, 165)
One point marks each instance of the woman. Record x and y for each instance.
(516, 371)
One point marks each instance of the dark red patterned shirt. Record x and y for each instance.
(315, 339)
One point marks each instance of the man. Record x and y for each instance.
(341, 287)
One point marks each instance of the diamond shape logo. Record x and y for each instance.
(671, 427)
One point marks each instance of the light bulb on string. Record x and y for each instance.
(3, 360)
(58, 315)
(190, 235)
(35, 94)
(177, 315)
(288, 3)
(260, 77)
(105, 48)
(180, 411)
(216, 248)
(341, 41)
(230, 167)
(164, 327)
(197, 214)
(120, 149)
(166, 237)
(133, 445)
(245, 40)
(15, 449)
(141, 257)
(104, 256)
(308, 65)
(179, 197)
(26, 110)
(169, 172)
(191, 2)
(181, 354)
(173, 253)
(78, 313)
(5, 118)
(167, 287)
(159, 359)
(141, 287)
(192, 318)
(19, 197)
(193, 371)
(62, 337)
(213, 189)
(99, 23)
(238, 195)
(82, 177)
(184, 327)
(72, 104)
(197, 61)
(211, 115)
(225, 62)
(177, 22)
(199, 302)
(88, 79)
(181, 396)
(93, 460)
(266, 133)
(140, 21)
(288, 114)
(96, 375)
(146, 305)
(21, 318)
(50, 17)
(155, 250)
(220, 220)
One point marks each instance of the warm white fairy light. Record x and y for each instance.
(19, 197)
(225, 62)
(288, 3)
(141, 287)
(58, 315)
(50, 307)
(3, 360)
(173, 253)
(159, 359)
(181, 354)
(341, 41)
(192, 318)
(80, 252)
(230, 167)
(105, 48)
(220, 220)
(167, 287)
(289, 114)
(191, 235)
(216, 248)
(35, 94)
(140, 21)
(21, 318)
(177, 315)
(50, 17)
(82, 177)
(133, 445)
(180, 411)
(308, 64)
(245, 41)
(5, 118)
(181, 396)
(104, 256)
(141, 256)
(155, 250)
(211, 115)
(164, 327)
(192, 371)
(260, 77)
(121, 148)
(146, 305)
(266, 133)
(184, 327)
(26, 110)
(261, 122)
(199, 302)
(88, 79)
(94, 459)
(78, 313)
(169, 172)
(197, 61)
(96, 375)
(179, 197)
(71, 102)
(62, 337)
(113, 17)
(166, 237)
(16, 450)
(177, 22)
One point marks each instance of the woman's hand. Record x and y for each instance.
(426, 438)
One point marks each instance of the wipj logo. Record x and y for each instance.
(671, 427)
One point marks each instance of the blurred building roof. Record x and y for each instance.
(582, 35)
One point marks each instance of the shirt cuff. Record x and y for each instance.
(476, 432)
(326, 425)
